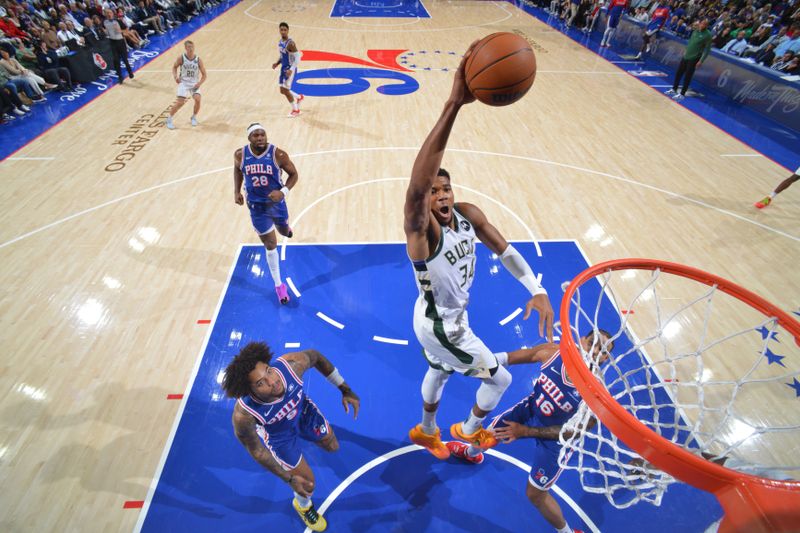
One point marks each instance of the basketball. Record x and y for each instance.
(501, 69)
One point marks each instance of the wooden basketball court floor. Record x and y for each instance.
(105, 274)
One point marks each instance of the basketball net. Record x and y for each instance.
(699, 365)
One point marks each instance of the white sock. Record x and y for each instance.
(274, 262)
(565, 529)
(473, 451)
(294, 94)
(772, 194)
(429, 422)
(472, 423)
(295, 106)
(302, 501)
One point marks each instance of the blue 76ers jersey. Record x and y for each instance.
(282, 45)
(281, 415)
(555, 397)
(262, 174)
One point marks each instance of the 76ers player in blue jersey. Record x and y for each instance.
(259, 165)
(273, 412)
(659, 17)
(289, 61)
(540, 416)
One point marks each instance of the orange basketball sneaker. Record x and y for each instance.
(432, 443)
(483, 438)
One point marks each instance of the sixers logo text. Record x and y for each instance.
(382, 66)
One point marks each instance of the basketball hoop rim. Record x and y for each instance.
(659, 451)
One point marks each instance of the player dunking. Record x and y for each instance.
(289, 60)
(272, 411)
(192, 76)
(259, 166)
(440, 238)
(540, 416)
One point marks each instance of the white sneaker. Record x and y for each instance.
(194, 120)
(18, 112)
(670, 92)
(25, 108)
(678, 97)
(170, 125)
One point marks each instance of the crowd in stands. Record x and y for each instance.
(755, 30)
(35, 35)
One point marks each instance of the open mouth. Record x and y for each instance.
(444, 210)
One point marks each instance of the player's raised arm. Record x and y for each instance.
(516, 264)
(244, 425)
(302, 361)
(429, 159)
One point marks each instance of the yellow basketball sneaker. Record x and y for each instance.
(432, 443)
(483, 438)
(311, 518)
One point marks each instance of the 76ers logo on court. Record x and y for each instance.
(391, 78)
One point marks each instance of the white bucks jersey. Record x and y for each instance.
(444, 279)
(190, 70)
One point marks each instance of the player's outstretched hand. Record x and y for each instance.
(275, 65)
(510, 432)
(541, 304)
(460, 94)
(351, 398)
(301, 486)
(238, 198)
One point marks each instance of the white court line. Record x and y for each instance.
(741, 155)
(615, 72)
(621, 62)
(329, 320)
(297, 219)
(179, 414)
(661, 86)
(30, 158)
(292, 345)
(389, 340)
(416, 148)
(511, 317)
(291, 286)
(412, 448)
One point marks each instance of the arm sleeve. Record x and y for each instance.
(520, 269)
(294, 59)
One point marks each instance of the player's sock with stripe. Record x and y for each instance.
(474, 451)
(429, 422)
(302, 501)
(565, 529)
(472, 423)
(274, 263)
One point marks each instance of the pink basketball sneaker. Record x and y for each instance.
(283, 294)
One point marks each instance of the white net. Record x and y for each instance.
(699, 367)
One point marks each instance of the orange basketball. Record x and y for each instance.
(501, 69)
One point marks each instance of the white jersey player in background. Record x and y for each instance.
(189, 74)
(440, 238)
